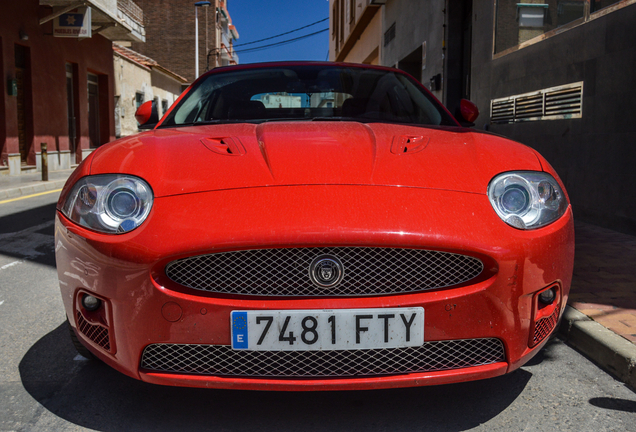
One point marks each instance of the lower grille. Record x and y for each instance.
(94, 332)
(222, 360)
(544, 326)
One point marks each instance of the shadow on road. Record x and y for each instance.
(545, 355)
(614, 404)
(93, 395)
(29, 235)
(19, 221)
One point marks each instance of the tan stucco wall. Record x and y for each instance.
(165, 88)
(370, 40)
(131, 78)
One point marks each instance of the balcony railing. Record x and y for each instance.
(132, 10)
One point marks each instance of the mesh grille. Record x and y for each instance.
(96, 333)
(222, 360)
(285, 272)
(545, 326)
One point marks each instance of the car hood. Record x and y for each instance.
(216, 157)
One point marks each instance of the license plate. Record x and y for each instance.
(338, 329)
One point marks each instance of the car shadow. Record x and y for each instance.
(546, 354)
(93, 395)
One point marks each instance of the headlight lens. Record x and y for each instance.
(526, 199)
(111, 203)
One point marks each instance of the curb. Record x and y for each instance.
(613, 353)
(33, 188)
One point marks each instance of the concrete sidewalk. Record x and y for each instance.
(600, 321)
(28, 184)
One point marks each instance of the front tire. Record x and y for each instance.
(79, 347)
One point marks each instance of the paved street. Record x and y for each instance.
(44, 385)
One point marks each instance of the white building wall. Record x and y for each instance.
(164, 88)
(132, 78)
(368, 48)
(281, 101)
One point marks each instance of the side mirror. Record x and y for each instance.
(147, 115)
(467, 113)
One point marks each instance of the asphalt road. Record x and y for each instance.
(44, 385)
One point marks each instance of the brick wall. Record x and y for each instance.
(170, 34)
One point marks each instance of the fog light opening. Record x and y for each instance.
(547, 296)
(91, 303)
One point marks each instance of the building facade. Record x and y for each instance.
(58, 90)
(556, 75)
(170, 28)
(139, 79)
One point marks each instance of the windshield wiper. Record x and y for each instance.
(281, 119)
(213, 121)
(334, 118)
(337, 118)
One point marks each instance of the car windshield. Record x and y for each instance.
(307, 92)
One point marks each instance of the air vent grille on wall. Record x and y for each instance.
(562, 102)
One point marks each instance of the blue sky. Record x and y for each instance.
(258, 19)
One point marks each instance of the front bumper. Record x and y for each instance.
(143, 307)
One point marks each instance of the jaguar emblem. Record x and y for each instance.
(326, 271)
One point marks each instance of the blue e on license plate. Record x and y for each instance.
(338, 329)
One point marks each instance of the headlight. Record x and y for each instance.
(111, 203)
(527, 200)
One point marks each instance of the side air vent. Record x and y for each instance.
(95, 332)
(555, 103)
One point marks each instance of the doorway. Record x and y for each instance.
(412, 64)
(23, 83)
(93, 111)
(458, 61)
(70, 110)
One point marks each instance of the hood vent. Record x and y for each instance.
(224, 146)
(408, 144)
(555, 103)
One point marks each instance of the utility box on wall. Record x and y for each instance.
(435, 83)
(12, 87)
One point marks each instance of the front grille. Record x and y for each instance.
(224, 361)
(285, 272)
(544, 326)
(94, 332)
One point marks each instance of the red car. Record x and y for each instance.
(313, 226)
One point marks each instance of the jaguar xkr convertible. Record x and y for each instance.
(313, 226)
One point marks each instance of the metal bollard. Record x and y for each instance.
(45, 162)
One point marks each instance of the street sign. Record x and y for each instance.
(75, 23)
